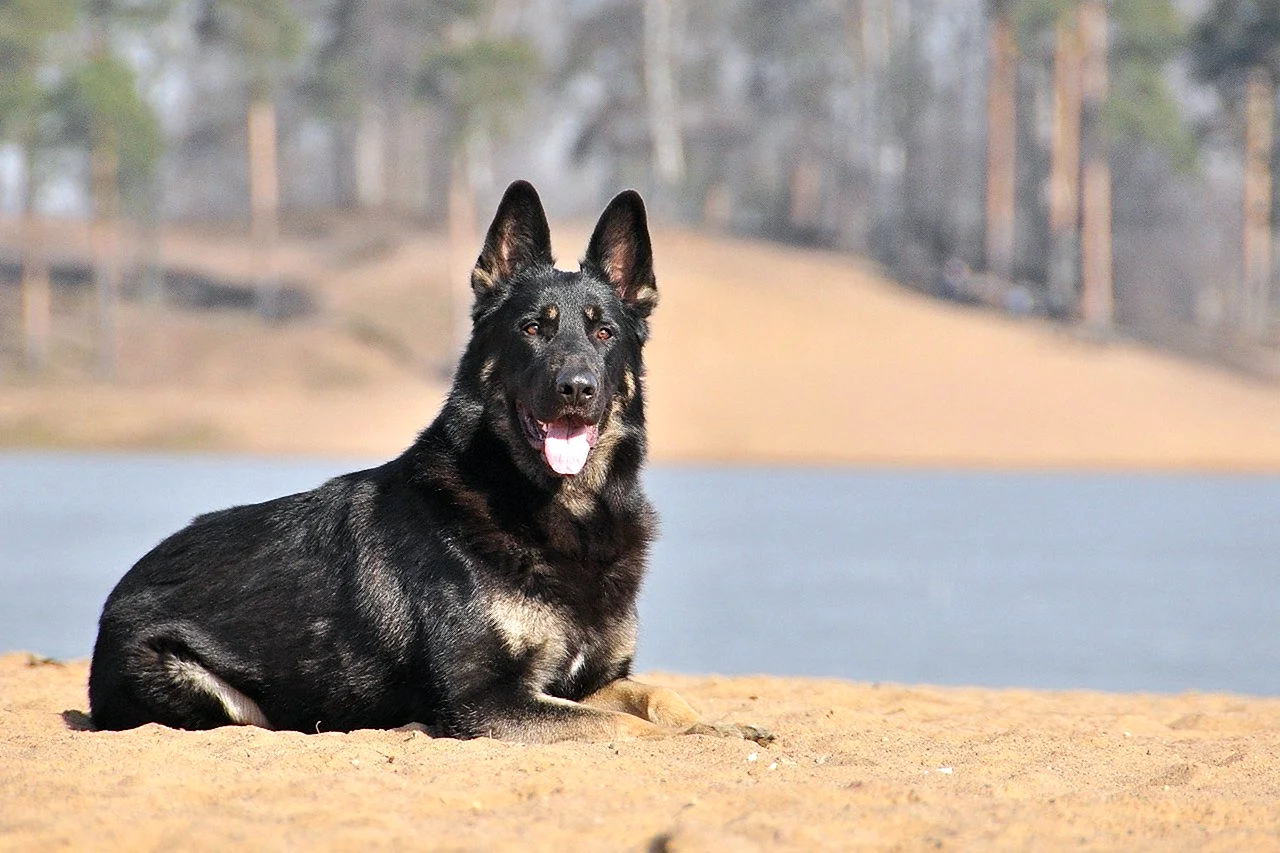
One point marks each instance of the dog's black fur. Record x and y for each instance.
(466, 586)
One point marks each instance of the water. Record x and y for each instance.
(1118, 582)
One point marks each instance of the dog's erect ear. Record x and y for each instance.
(518, 238)
(620, 253)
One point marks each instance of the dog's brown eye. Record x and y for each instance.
(604, 333)
(531, 329)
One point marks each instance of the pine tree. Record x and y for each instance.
(1236, 46)
(267, 37)
(26, 26)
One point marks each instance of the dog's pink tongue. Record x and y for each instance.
(566, 447)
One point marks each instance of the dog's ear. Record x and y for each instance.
(620, 253)
(518, 238)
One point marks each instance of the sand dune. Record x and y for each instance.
(761, 353)
(802, 357)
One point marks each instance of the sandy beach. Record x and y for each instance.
(761, 355)
(855, 766)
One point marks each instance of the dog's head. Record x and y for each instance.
(557, 354)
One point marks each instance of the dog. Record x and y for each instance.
(483, 583)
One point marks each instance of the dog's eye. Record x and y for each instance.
(604, 333)
(531, 329)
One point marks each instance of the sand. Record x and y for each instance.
(761, 355)
(855, 766)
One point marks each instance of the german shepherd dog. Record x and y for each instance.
(482, 584)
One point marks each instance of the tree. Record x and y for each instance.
(660, 63)
(1002, 139)
(476, 80)
(363, 80)
(1061, 18)
(26, 26)
(1236, 46)
(99, 109)
(1096, 295)
(266, 35)
(1110, 86)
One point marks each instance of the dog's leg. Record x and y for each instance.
(665, 707)
(164, 679)
(239, 708)
(545, 719)
(659, 705)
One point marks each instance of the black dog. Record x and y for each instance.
(483, 583)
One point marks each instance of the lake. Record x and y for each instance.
(1133, 582)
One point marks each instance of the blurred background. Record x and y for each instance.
(969, 334)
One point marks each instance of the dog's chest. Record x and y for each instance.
(542, 634)
(548, 640)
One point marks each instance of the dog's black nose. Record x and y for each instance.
(576, 385)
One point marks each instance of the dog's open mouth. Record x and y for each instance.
(565, 443)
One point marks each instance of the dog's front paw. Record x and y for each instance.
(627, 727)
(762, 736)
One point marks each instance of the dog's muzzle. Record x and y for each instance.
(565, 443)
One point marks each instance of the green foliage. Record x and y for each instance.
(266, 34)
(337, 80)
(1147, 33)
(98, 103)
(1036, 19)
(1141, 108)
(26, 26)
(127, 14)
(1145, 37)
(479, 82)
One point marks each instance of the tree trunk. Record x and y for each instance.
(1252, 306)
(1002, 145)
(264, 204)
(36, 295)
(464, 246)
(1064, 180)
(104, 229)
(409, 179)
(660, 88)
(370, 156)
(1096, 299)
(806, 197)
(104, 167)
(870, 28)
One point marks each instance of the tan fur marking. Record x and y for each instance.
(568, 720)
(239, 708)
(486, 370)
(664, 707)
(552, 312)
(646, 294)
(659, 705)
(528, 625)
(629, 385)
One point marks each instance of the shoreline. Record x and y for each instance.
(867, 464)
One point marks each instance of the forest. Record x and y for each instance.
(1106, 164)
